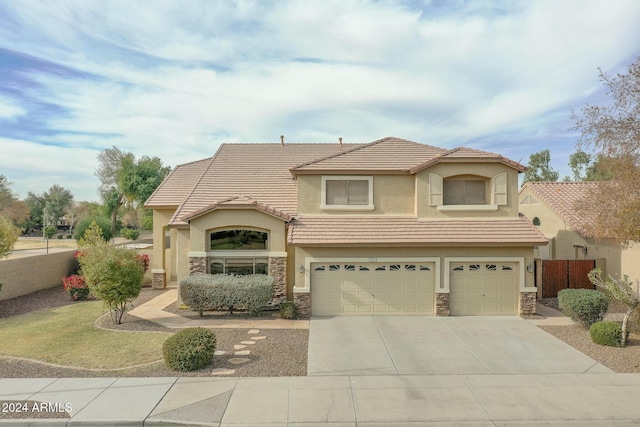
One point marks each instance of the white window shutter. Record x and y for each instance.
(435, 190)
(500, 189)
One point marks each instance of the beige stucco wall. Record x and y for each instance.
(486, 170)
(237, 218)
(631, 262)
(439, 252)
(22, 276)
(392, 195)
(161, 258)
(563, 239)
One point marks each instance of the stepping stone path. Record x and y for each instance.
(223, 371)
(239, 352)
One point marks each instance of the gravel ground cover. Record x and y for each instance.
(625, 359)
(281, 353)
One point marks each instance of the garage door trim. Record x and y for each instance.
(309, 260)
(520, 260)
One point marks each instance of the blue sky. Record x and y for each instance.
(174, 79)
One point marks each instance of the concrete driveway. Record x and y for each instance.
(387, 345)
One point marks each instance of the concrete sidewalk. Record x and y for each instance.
(153, 310)
(461, 400)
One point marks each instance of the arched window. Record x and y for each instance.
(238, 239)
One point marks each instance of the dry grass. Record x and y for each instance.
(38, 243)
(67, 336)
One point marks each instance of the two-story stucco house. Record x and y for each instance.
(392, 227)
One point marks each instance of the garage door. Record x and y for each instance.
(372, 288)
(483, 288)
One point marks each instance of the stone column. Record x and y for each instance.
(442, 304)
(527, 302)
(278, 270)
(303, 302)
(158, 278)
(198, 265)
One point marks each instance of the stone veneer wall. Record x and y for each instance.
(442, 304)
(303, 302)
(278, 270)
(528, 302)
(197, 265)
(159, 279)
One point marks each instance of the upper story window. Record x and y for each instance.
(464, 192)
(467, 193)
(239, 239)
(347, 193)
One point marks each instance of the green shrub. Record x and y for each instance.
(130, 233)
(83, 225)
(585, 306)
(227, 292)
(606, 333)
(114, 275)
(190, 349)
(288, 310)
(60, 236)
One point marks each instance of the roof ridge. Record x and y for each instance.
(172, 172)
(339, 153)
(178, 211)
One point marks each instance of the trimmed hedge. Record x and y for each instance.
(190, 349)
(606, 333)
(288, 310)
(585, 306)
(227, 292)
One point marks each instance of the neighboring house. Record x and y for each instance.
(390, 227)
(551, 207)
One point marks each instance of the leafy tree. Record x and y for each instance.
(103, 224)
(613, 132)
(92, 237)
(621, 290)
(585, 168)
(539, 168)
(47, 208)
(114, 275)
(127, 181)
(10, 207)
(8, 236)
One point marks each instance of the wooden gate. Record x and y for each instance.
(563, 274)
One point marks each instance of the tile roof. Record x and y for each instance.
(258, 171)
(562, 198)
(385, 230)
(238, 202)
(177, 185)
(462, 154)
(386, 154)
(265, 172)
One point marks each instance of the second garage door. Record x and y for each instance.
(485, 288)
(373, 288)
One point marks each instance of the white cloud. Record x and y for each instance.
(176, 79)
(9, 110)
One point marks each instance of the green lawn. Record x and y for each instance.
(66, 336)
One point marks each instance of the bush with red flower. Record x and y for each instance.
(76, 286)
(143, 259)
